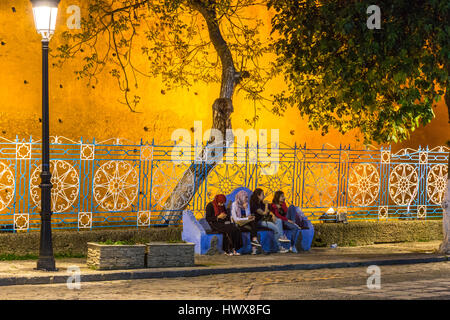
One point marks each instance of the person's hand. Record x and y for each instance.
(251, 218)
(245, 205)
(222, 216)
(291, 221)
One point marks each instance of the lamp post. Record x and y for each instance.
(45, 12)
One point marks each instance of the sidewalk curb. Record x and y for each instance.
(204, 271)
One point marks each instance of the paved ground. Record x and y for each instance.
(416, 281)
(403, 281)
(409, 250)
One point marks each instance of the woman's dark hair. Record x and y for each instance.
(254, 200)
(277, 196)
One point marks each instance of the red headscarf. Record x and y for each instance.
(219, 209)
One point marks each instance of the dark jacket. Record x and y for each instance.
(211, 216)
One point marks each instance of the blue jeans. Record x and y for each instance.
(291, 214)
(277, 229)
(297, 217)
(290, 226)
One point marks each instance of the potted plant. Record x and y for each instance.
(113, 255)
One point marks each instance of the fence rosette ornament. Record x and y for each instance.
(364, 184)
(224, 179)
(321, 185)
(437, 183)
(403, 182)
(115, 185)
(7, 186)
(165, 177)
(65, 185)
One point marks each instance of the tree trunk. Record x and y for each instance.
(445, 245)
(185, 189)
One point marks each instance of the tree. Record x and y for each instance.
(383, 81)
(186, 41)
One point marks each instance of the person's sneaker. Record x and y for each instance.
(254, 251)
(284, 239)
(255, 243)
(228, 254)
(236, 253)
(283, 250)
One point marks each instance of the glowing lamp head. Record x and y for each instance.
(45, 12)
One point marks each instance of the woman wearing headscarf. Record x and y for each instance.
(240, 215)
(219, 220)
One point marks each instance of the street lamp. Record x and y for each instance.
(45, 12)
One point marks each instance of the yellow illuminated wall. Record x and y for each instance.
(77, 110)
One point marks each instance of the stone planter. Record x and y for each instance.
(162, 254)
(112, 257)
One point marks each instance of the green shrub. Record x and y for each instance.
(74, 243)
(358, 233)
(175, 241)
(119, 242)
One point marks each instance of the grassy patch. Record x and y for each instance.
(69, 255)
(11, 257)
(352, 243)
(120, 242)
(175, 241)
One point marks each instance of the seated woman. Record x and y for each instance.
(279, 208)
(219, 220)
(240, 215)
(264, 218)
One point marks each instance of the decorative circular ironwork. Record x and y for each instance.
(281, 180)
(7, 186)
(364, 184)
(437, 183)
(321, 185)
(115, 185)
(225, 178)
(166, 177)
(65, 185)
(403, 182)
(421, 212)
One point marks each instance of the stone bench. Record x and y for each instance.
(207, 242)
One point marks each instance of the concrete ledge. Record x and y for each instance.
(203, 271)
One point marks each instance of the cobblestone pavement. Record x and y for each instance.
(418, 281)
(408, 250)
